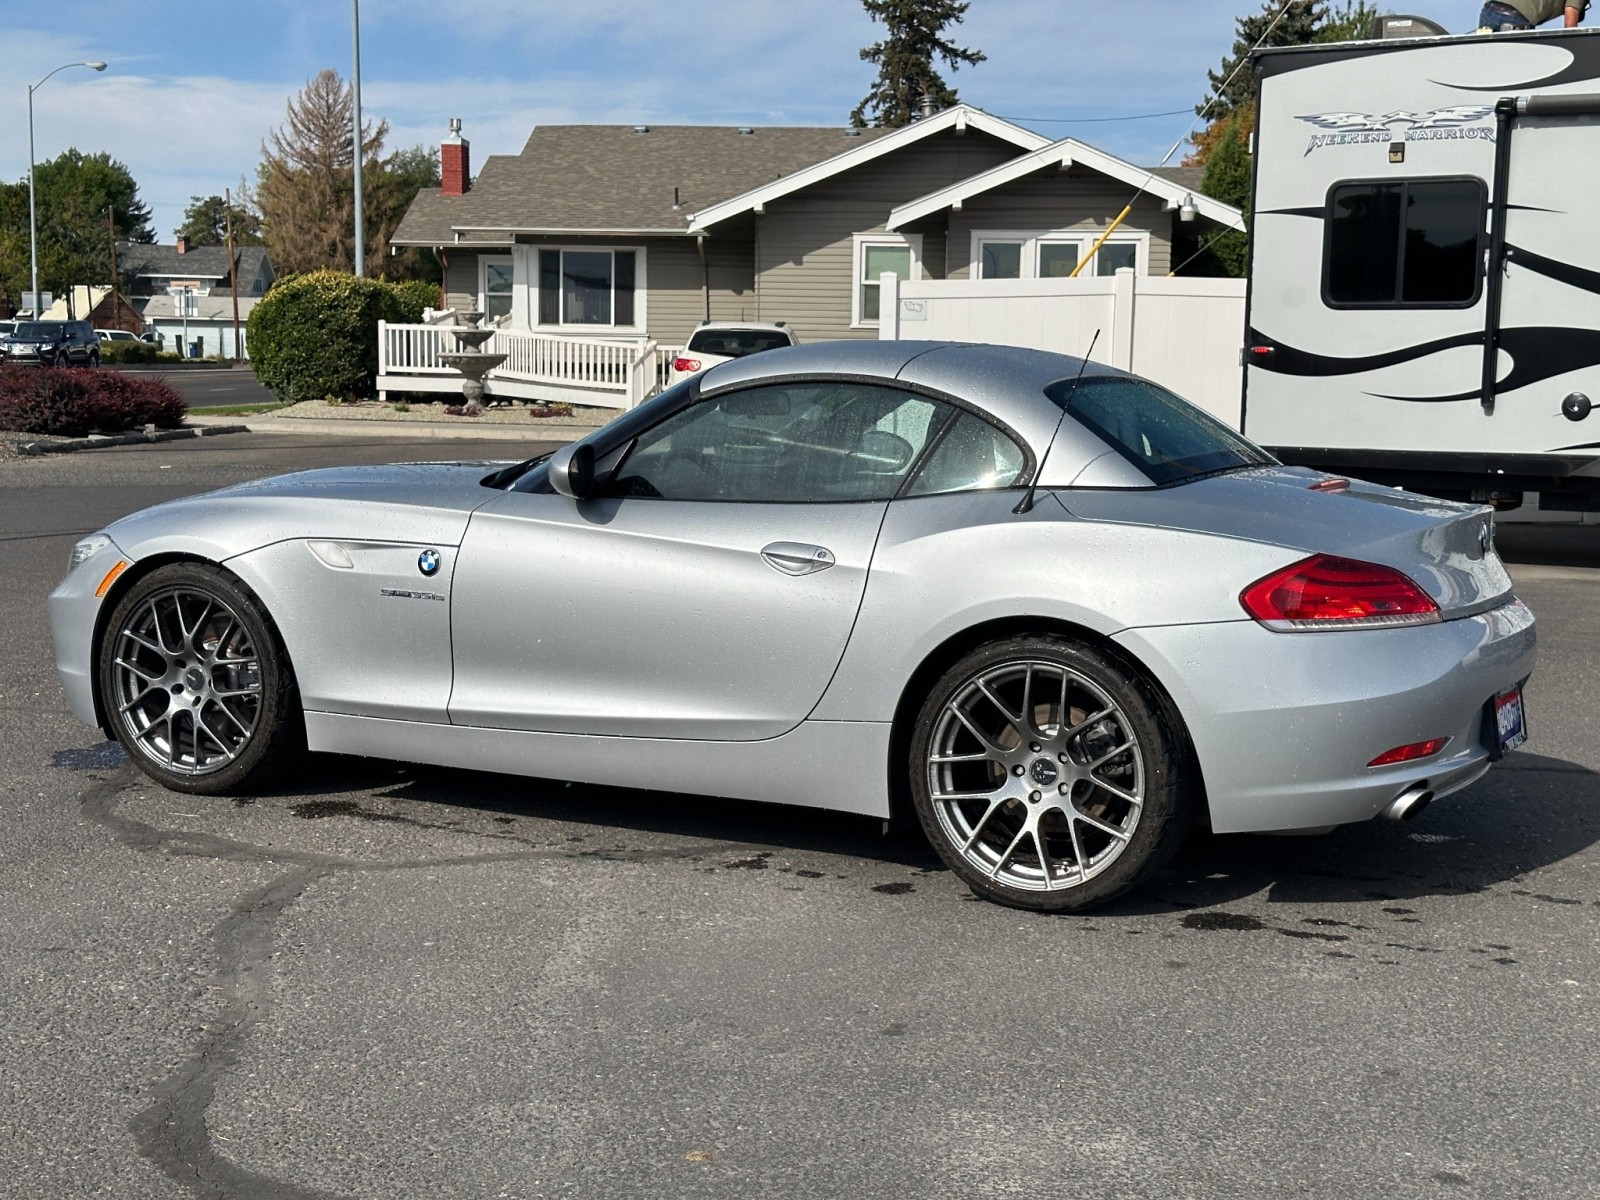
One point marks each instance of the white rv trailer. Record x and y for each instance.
(1424, 300)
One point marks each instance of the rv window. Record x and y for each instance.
(1411, 243)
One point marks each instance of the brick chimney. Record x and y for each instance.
(455, 162)
(183, 244)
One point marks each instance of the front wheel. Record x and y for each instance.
(1048, 775)
(196, 682)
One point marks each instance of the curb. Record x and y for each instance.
(96, 441)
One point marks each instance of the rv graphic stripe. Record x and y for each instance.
(1537, 353)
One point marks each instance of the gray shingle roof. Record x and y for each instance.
(1184, 177)
(201, 262)
(608, 177)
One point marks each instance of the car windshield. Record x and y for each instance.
(1166, 437)
(39, 330)
(736, 343)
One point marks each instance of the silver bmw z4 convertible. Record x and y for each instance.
(1058, 610)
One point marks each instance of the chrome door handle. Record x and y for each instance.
(797, 558)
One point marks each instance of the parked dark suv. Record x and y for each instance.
(53, 344)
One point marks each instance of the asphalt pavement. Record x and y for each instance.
(216, 387)
(388, 980)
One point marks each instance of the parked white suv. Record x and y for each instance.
(714, 342)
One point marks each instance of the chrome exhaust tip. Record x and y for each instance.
(1409, 803)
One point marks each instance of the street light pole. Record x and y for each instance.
(361, 242)
(33, 223)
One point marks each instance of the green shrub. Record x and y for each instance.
(316, 336)
(129, 352)
(71, 403)
(416, 295)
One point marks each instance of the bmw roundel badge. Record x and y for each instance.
(428, 562)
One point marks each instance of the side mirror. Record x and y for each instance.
(572, 471)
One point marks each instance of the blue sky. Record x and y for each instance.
(194, 87)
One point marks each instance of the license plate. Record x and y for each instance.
(1510, 728)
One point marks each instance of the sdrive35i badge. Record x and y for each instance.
(428, 562)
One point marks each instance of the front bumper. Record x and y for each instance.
(1285, 723)
(74, 608)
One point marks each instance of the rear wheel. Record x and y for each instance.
(1048, 775)
(195, 680)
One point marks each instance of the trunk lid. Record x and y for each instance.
(1446, 547)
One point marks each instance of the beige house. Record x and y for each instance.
(610, 243)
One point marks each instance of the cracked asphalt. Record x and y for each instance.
(388, 980)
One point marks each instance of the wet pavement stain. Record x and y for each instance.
(1311, 933)
(1235, 922)
(895, 1029)
(809, 874)
(756, 862)
(893, 889)
(316, 810)
(104, 757)
(1546, 897)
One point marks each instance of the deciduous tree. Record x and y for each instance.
(81, 199)
(906, 59)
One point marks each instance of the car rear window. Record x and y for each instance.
(1166, 437)
(736, 343)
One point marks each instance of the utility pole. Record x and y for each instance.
(111, 232)
(361, 241)
(233, 269)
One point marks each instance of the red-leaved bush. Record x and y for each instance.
(72, 403)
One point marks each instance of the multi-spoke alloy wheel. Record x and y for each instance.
(1045, 774)
(193, 679)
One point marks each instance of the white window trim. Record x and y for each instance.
(485, 261)
(858, 264)
(1030, 239)
(641, 317)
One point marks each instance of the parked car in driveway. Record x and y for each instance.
(715, 342)
(53, 344)
(1059, 611)
(115, 335)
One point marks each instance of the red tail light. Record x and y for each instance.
(1324, 592)
(686, 366)
(1415, 750)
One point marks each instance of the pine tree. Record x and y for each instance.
(905, 58)
(305, 186)
(205, 223)
(1227, 178)
(1299, 25)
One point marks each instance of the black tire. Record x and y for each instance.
(196, 684)
(94, 358)
(1049, 774)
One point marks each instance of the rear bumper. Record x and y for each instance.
(1284, 724)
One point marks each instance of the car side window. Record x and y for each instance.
(971, 456)
(795, 443)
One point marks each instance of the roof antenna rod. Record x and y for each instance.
(1026, 503)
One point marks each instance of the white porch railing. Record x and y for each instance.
(611, 372)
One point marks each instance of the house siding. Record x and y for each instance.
(674, 302)
(461, 279)
(804, 247)
(1075, 199)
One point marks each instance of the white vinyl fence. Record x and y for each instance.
(1183, 333)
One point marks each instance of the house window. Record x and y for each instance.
(1404, 243)
(875, 254)
(1057, 260)
(586, 286)
(1000, 260)
(494, 287)
(1055, 255)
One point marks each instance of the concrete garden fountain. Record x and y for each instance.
(471, 359)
